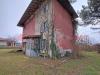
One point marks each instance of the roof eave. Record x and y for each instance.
(66, 5)
(33, 6)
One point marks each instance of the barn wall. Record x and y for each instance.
(29, 27)
(33, 24)
(42, 15)
(55, 15)
(63, 26)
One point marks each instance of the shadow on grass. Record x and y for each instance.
(16, 51)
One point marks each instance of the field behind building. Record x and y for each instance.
(15, 63)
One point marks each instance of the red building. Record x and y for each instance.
(46, 23)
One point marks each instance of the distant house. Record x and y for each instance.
(7, 42)
(3, 42)
(47, 23)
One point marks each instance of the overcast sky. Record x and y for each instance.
(78, 5)
(10, 13)
(94, 35)
(12, 10)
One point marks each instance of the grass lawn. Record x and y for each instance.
(17, 64)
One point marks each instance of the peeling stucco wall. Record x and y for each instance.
(43, 14)
(29, 27)
(52, 12)
(63, 26)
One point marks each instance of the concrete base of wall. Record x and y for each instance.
(31, 53)
(63, 52)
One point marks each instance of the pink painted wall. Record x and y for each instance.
(63, 26)
(29, 28)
